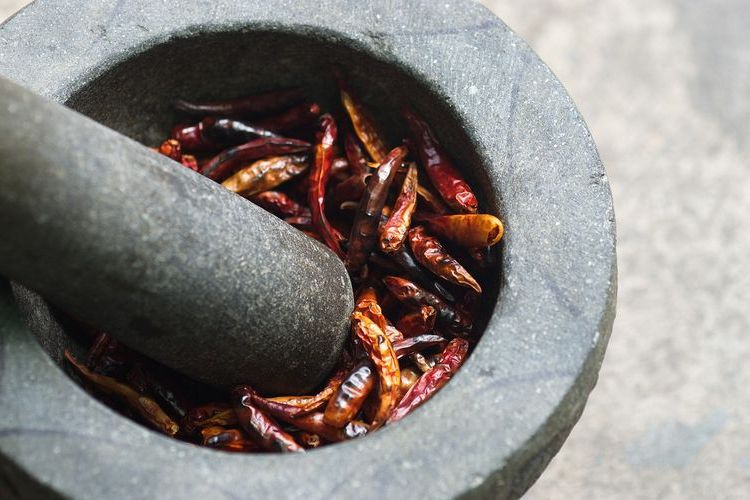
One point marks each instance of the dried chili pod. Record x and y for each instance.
(406, 261)
(216, 132)
(319, 175)
(312, 403)
(412, 295)
(261, 428)
(351, 395)
(255, 104)
(444, 175)
(417, 322)
(394, 334)
(354, 154)
(227, 439)
(367, 304)
(276, 409)
(222, 165)
(383, 357)
(365, 226)
(296, 116)
(451, 360)
(467, 230)
(279, 203)
(157, 383)
(352, 188)
(411, 345)
(316, 424)
(363, 123)
(430, 253)
(190, 162)
(266, 174)
(146, 407)
(393, 232)
(210, 414)
(171, 149)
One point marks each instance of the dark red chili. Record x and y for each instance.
(266, 102)
(222, 165)
(261, 428)
(297, 116)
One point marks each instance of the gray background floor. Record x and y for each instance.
(665, 88)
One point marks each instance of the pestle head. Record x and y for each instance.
(170, 263)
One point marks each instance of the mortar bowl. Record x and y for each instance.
(505, 119)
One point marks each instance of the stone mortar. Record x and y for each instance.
(500, 112)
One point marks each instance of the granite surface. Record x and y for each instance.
(521, 141)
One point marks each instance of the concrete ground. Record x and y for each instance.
(665, 88)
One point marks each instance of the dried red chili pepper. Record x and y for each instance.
(444, 176)
(296, 116)
(406, 261)
(430, 253)
(393, 233)
(210, 414)
(319, 175)
(157, 383)
(412, 295)
(351, 395)
(309, 440)
(215, 132)
(190, 162)
(276, 409)
(352, 188)
(266, 174)
(383, 357)
(227, 439)
(255, 104)
(450, 361)
(417, 322)
(222, 165)
(357, 160)
(171, 149)
(472, 230)
(411, 345)
(367, 304)
(315, 424)
(146, 407)
(363, 123)
(312, 403)
(279, 203)
(261, 428)
(365, 226)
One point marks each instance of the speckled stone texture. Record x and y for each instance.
(497, 108)
(162, 258)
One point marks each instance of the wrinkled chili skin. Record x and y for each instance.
(266, 173)
(279, 203)
(296, 116)
(430, 253)
(467, 230)
(222, 165)
(261, 428)
(450, 361)
(363, 123)
(216, 132)
(367, 304)
(406, 261)
(321, 171)
(266, 102)
(413, 296)
(411, 345)
(351, 395)
(393, 233)
(227, 439)
(364, 232)
(417, 322)
(210, 414)
(446, 178)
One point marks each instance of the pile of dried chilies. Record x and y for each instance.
(404, 221)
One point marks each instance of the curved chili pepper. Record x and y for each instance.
(393, 233)
(406, 261)
(318, 179)
(411, 345)
(357, 160)
(351, 395)
(146, 407)
(227, 439)
(413, 296)
(363, 123)
(382, 355)
(365, 226)
(296, 116)
(255, 104)
(417, 322)
(472, 230)
(207, 415)
(279, 203)
(430, 253)
(367, 304)
(261, 428)
(444, 176)
(222, 165)
(171, 149)
(429, 383)
(266, 174)
(216, 132)
(312, 403)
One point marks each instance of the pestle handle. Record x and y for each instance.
(170, 263)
